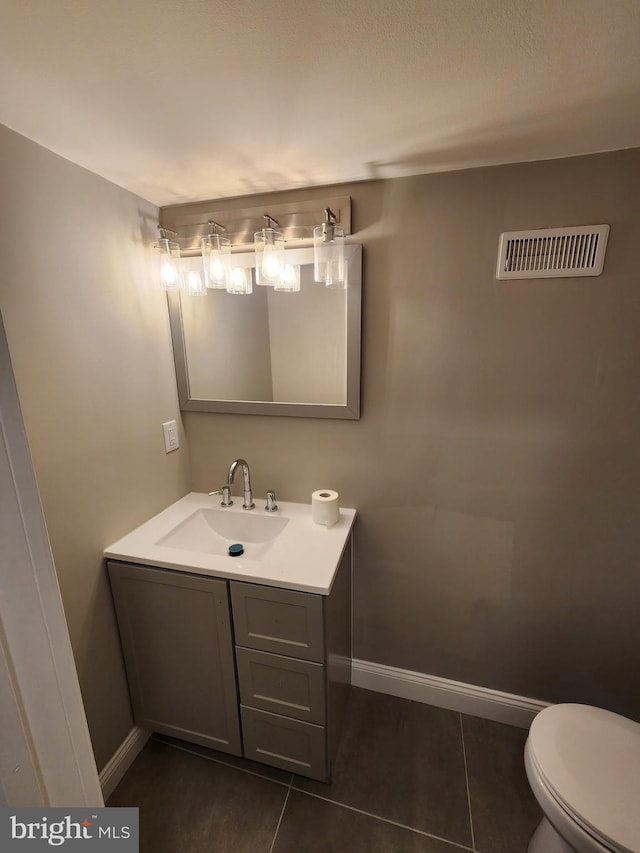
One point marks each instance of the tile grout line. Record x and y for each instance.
(466, 776)
(284, 805)
(385, 820)
(225, 763)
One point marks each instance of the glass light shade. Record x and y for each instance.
(240, 280)
(261, 280)
(169, 265)
(289, 281)
(216, 259)
(328, 255)
(195, 285)
(269, 246)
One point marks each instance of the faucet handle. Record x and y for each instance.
(225, 491)
(271, 506)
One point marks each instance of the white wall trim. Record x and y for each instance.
(122, 759)
(445, 693)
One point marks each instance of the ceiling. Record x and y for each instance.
(181, 100)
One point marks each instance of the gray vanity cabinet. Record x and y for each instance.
(289, 652)
(176, 636)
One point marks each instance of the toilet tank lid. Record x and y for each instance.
(590, 759)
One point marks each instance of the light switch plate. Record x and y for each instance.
(170, 430)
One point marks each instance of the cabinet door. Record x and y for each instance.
(176, 637)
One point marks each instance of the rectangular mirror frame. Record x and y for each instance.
(348, 411)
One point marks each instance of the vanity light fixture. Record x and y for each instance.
(216, 257)
(269, 248)
(167, 252)
(201, 236)
(328, 252)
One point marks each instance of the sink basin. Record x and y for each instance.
(283, 548)
(211, 531)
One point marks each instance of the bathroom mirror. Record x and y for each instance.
(271, 352)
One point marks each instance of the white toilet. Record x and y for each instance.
(583, 765)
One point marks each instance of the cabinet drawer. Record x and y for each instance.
(281, 742)
(287, 686)
(278, 620)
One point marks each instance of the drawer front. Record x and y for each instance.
(281, 742)
(286, 686)
(278, 620)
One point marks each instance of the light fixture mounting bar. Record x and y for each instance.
(296, 219)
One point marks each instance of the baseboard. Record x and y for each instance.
(122, 759)
(444, 693)
(429, 689)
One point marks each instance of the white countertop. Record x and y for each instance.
(305, 556)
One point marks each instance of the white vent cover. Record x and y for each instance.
(552, 252)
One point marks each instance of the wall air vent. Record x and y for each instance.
(552, 252)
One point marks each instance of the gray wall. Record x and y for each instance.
(90, 346)
(496, 467)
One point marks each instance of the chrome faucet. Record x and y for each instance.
(246, 481)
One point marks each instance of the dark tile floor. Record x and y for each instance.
(408, 778)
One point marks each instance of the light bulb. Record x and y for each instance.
(269, 248)
(217, 271)
(169, 269)
(168, 274)
(270, 263)
(216, 258)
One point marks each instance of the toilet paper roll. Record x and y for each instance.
(324, 507)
